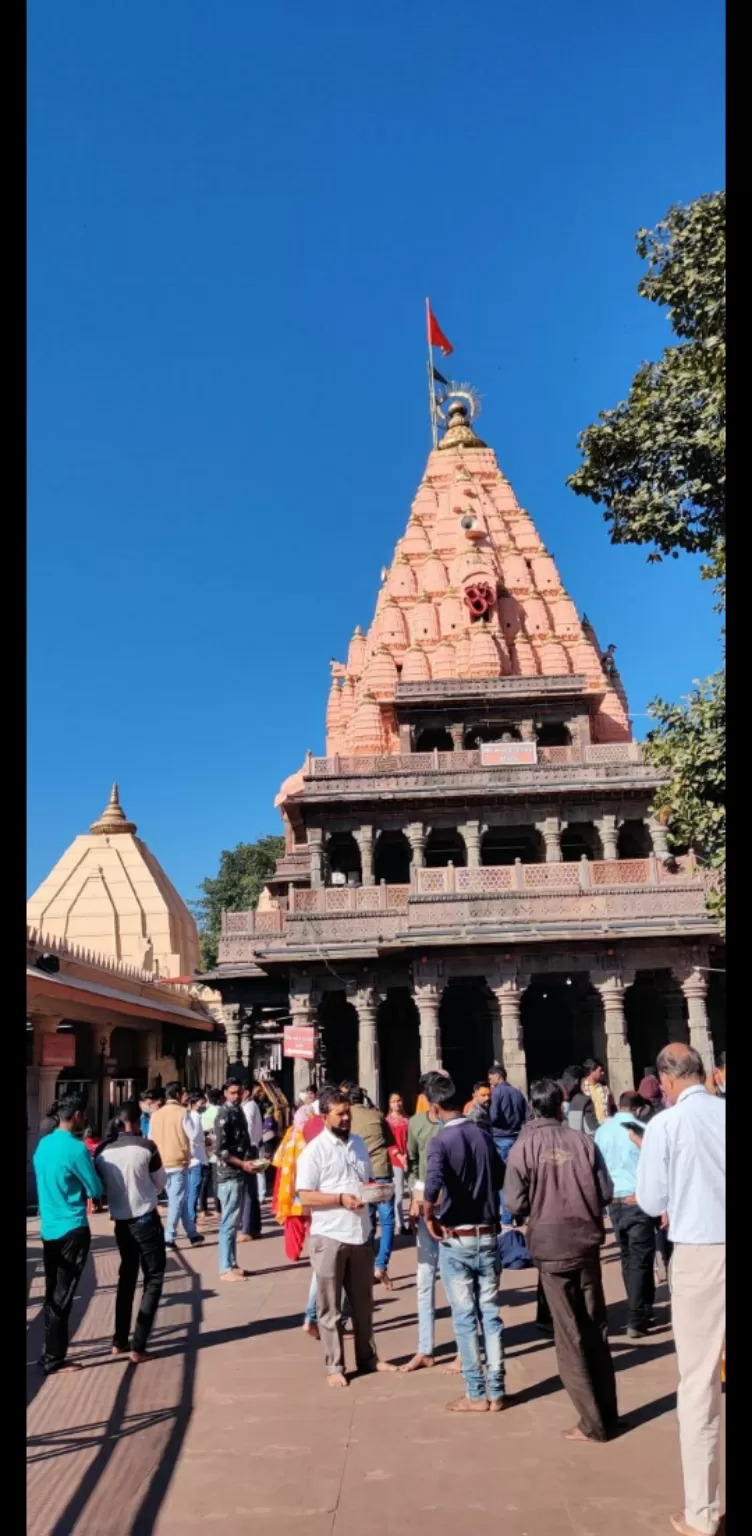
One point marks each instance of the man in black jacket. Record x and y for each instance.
(557, 1179)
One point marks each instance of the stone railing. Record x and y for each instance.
(643, 895)
(591, 755)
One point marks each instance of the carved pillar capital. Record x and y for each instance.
(471, 832)
(416, 834)
(550, 831)
(608, 829)
(457, 733)
(659, 835)
(364, 839)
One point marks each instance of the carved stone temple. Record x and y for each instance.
(472, 870)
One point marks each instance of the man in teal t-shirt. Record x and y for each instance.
(66, 1179)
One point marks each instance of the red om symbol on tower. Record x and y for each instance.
(479, 598)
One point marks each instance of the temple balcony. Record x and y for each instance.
(499, 903)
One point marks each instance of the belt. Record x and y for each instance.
(489, 1230)
(624, 1200)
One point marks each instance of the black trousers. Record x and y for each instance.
(635, 1234)
(578, 1312)
(543, 1313)
(207, 1187)
(250, 1216)
(142, 1246)
(64, 1260)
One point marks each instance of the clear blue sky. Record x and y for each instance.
(235, 212)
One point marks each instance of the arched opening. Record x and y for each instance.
(580, 840)
(391, 859)
(434, 738)
(553, 734)
(654, 1015)
(557, 1024)
(634, 840)
(445, 846)
(338, 1022)
(343, 855)
(398, 1027)
(466, 1033)
(502, 845)
(475, 734)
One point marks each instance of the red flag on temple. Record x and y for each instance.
(436, 337)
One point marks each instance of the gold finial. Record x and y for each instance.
(459, 433)
(113, 817)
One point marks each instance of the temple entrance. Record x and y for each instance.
(398, 1027)
(556, 1025)
(343, 855)
(466, 1033)
(338, 1022)
(655, 1013)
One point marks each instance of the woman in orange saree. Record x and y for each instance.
(286, 1207)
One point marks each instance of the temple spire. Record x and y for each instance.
(113, 817)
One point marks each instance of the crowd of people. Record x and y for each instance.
(500, 1179)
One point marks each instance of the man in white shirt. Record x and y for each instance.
(682, 1173)
(250, 1214)
(329, 1177)
(194, 1130)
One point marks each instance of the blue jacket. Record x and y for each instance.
(508, 1110)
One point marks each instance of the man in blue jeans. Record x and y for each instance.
(509, 1111)
(232, 1147)
(464, 1175)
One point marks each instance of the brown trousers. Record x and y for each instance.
(578, 1312)
(349, 1265)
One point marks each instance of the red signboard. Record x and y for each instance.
(497, 754)
(299, 1042)
(59, 1050)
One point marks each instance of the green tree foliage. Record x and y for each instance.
(656, 462)
(689, 745)
(243, 873)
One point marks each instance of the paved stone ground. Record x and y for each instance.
(234, 1423)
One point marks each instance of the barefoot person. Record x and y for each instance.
(330, 1174)
(66, 1179)
(232, 1145)
(130, 1168)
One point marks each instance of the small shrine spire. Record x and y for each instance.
(459, 433)
(113, 817)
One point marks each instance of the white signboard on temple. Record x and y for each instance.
(300, 1042)
(498, 754)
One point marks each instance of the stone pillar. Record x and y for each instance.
(659, 837)
(232, 1014)
(471, 832)
(507, 1029)
(457, 733)
(316, 845)
(427, 998)
(369, 1076)
(550, 831)
(619, 1068)
(527, 730)
(416, 836)
(676, 1023)
(246, 1036)
(303, 1016)
(609, 835)
(694, 985)
(364, 840)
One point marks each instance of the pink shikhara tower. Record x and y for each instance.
(473, 870)
(472, 594)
